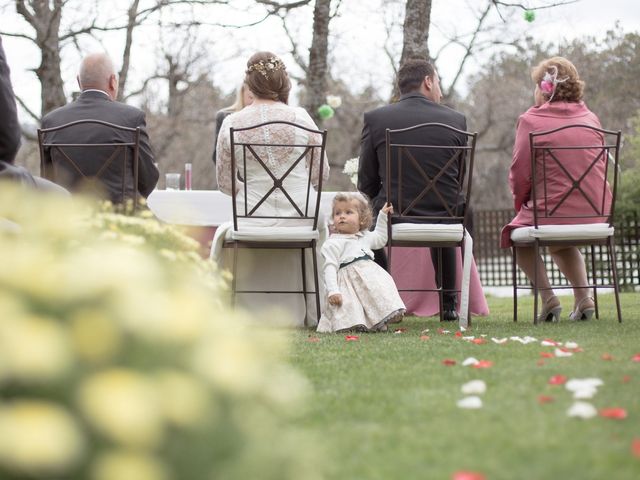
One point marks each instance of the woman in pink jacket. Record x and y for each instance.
(558, 102)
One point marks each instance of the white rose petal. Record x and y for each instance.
(561, 353)
(547, 343)
(499, 340)
(472, 402)
(576, 384)
(474, 387)
(571, 345)
(584, 393)
(468, 338)
(469, 361)
(582, 410)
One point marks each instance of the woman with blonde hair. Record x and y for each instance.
(244, 97)
(558, 102)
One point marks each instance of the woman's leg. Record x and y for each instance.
(528, 262)
(571, 263)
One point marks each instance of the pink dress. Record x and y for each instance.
(547, 117)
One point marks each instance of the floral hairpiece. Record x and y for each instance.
(266, 67)
(550, 81)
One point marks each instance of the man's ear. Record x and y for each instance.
(428, 83)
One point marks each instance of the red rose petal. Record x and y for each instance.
(478, 341)
(550, 341)
(626, 379)
(458, 334)
(546, 355)
(424, 337)
(448, 362)
(615, 413)
(558, 380)
(313, 339)
(635, 447)
(467, 475)
(351, 338)
(483, 364)
(606, 356)
(542, 399)
(540, 362)
(636, 358)
(442, 331)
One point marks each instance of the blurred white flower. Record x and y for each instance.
(94, 335)
(38, 437)
(472, 402)
(34, 349)
(582, 410)
(583, 388)
(334, 101)
(183, 399)
(122, 405)
(126, 465)
(474, 387)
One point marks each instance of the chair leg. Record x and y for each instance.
(304, 286)
(316, 279)
(439, 280)
(535, 281)
(514, 279)
(616, 287)
(234, 279)
(594, 279)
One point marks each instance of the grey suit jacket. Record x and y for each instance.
(412, 109)
(97, 105)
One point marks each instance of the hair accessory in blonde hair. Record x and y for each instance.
(266, 67)
(550, 81)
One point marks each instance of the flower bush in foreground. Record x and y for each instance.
(120, 359)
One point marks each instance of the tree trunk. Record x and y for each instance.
(126, 56)
(415, 33)
(44, 17)
(316, 90)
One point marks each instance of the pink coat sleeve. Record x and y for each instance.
(520, 172)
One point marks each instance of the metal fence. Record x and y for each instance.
(494, 263)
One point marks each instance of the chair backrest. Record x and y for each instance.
(574, 172)
(429, 173)
(273, 171)
(82, 160)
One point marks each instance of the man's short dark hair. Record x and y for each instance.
(412, 73)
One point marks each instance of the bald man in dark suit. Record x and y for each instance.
(99, 84)
(419, 103)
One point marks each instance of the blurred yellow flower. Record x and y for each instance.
(124, 406)
(125, 465)
(33, 349)
(184, 400)
(95, 336)
(39, 438)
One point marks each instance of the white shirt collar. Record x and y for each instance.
(96, 90)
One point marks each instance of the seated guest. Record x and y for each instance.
(99, 84)
(268, 81)
(244, 97)
(10, 135)
(558, 102)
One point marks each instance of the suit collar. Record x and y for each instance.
(416, 95)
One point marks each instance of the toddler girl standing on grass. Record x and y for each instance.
(361, 295)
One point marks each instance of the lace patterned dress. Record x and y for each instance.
(269, 269)
(369, 295)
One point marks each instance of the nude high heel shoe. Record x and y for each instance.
(583, 312)
(551, 310)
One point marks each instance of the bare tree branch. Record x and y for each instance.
(27, 109)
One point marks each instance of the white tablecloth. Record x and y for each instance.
(203, 208)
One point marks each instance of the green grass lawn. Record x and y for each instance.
(384, 406)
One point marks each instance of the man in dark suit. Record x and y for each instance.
(99, 84)
(419, 103)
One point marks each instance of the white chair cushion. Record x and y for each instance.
(590, 231)
(438, 232)
(273, 234)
